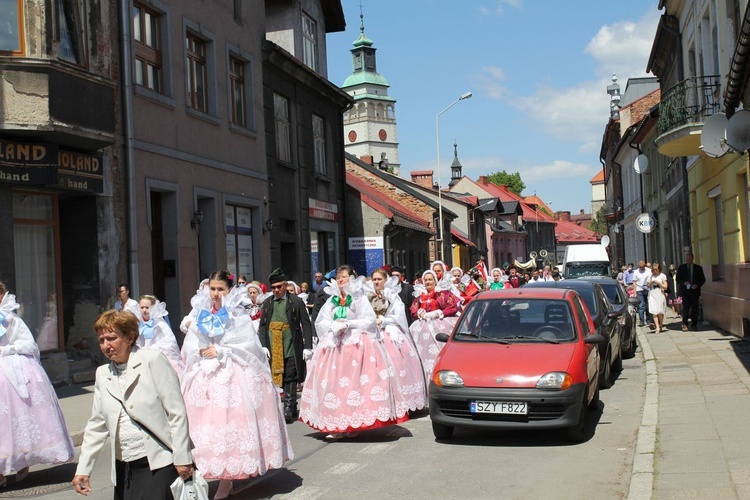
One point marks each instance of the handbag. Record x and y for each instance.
(195, 488)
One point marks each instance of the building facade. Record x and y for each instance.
(62, 174)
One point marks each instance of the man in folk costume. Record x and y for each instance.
(285, 332)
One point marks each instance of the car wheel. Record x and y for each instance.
(629, 352)
(577, 432)
(442, 431)
(594, 403)
(617, 365)
(605, 377)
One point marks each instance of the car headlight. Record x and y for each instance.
(448, 378)
(554, 380)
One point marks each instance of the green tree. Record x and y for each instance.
(598, 223)
(513, 181)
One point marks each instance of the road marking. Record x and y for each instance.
(345, 468)
(375, 448)
(306, 493)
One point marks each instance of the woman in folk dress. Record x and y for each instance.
(348, 387)
(154, 332)
(236, 420)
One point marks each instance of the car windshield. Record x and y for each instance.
(590, 269)
(610, 290)
(516, 320)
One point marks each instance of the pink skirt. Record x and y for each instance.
(34, 427)
(423, 332)
(349, 388)
(236, 421)
(411, 392)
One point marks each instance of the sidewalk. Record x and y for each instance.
(693, 441)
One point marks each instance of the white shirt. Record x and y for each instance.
(640, 278)
(129, 304)
(129, 436)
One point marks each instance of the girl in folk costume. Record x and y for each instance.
(390, 315)
(496, 282)
(236, 420)
(154, 332)
(253, 301)
(348, 387)
(437, 310)
(35, 431)
(438, 267)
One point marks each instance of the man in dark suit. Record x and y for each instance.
(406, 290)
(286, 336)
(690, 279)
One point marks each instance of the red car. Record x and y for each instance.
(518, 359)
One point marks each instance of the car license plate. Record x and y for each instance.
(499, 407)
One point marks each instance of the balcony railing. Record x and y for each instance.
(690, 101)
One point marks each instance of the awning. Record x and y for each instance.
(400, 221)
(463, 239)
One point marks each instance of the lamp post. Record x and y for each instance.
(440, 194)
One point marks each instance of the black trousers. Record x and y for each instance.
(690, 309)
(136, 481)
(290, 383)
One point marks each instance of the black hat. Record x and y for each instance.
(276, 276)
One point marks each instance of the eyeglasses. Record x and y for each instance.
(277, 287)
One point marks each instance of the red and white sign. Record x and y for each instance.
(323, 210)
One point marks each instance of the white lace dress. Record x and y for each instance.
(236, 420)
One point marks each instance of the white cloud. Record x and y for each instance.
(490, 82)
(499, 8)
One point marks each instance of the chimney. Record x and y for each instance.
(423, 178)
(483, 180)
(367, 159)
(565, 216)
(582, 212)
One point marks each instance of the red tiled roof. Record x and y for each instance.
(421, 172)
(598, 178)
(383, 204)
(640, 107)
(567, 232)
(461, 237)
(504, 194)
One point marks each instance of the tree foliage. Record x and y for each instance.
(513, 181)
(598, 223)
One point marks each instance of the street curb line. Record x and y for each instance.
(642, 475)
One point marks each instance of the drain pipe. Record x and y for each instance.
(126, 86)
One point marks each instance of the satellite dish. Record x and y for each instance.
(640, 165)
(713, 141)
(605, 241)
(542, 253)
(738, 131)
(532, 255)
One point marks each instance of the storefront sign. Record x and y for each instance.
(645, 223)
(366, 254)
(27, 163)
(323, 210)
(80, 171)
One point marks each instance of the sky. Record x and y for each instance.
(538, 71)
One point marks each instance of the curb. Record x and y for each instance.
(642, 475)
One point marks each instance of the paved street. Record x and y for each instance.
(671, 427)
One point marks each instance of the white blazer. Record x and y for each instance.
(153, 398)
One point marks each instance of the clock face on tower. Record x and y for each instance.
(382, 134)
(352, 136)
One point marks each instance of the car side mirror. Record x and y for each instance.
(634, 301)
(614, 314)
(442, 337)
(594, 338)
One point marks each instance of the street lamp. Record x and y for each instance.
(440, 194)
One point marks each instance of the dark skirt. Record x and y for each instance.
(136, 481)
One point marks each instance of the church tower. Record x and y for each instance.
(456, 167)
(370, 125)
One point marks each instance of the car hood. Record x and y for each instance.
(518, 365)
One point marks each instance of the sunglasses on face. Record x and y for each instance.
(241, 282)
(277, 287)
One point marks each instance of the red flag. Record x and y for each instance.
(482, 268)
(471, 288)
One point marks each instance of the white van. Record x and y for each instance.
(586, 260)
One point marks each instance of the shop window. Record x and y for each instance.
(36, 248)
(197, 79)
(239, 244)
(147, 33)
(283, 125)
(70, 31)
(11, 26)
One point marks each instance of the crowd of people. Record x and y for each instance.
(360, 349)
